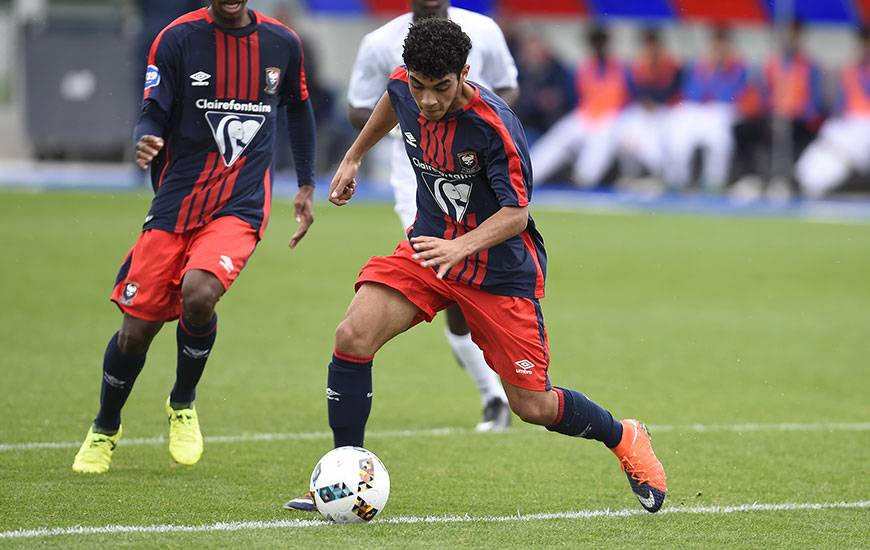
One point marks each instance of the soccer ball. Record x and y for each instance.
(350, 484)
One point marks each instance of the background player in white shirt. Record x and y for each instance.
(492, 66)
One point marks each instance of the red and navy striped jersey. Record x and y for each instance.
(470, 164)
(221, 89)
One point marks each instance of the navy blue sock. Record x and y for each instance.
(349, 398)
(580, 417)
(119, 374)
(194, 345)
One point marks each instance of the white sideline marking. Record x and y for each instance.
(301, 436)
(404, 520)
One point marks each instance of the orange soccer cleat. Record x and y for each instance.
(644, 471)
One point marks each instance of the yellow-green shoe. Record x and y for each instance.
(185, 439)
(95, 454)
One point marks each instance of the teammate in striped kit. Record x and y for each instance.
(215, 81)
(473, 244)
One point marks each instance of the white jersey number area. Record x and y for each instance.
(233, 132)
(451, 195)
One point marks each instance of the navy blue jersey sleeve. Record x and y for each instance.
(506, 158)
(162, 74)
(294, 89)
(303, 140)
(398, 82)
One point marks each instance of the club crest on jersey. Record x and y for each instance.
(152, 76)
(233, 132)
(130, 291)
(451, 195)
(468, 162)
(273, 79)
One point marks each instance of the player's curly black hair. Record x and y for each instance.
(436, 47)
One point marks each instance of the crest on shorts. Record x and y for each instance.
(129, 292)
(468, 162)
(273, 79)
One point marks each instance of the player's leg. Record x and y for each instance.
(680, 131)
(216, 254)
(599, 152)
(393, 294)
(143, 292)
(376, 314)
(496, 413)
(511, 332)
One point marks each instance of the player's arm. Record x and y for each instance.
(303, 137)
(368, 80)
(303, 144)
(358, 116)
(508, 222)
(383, 119)
(149, 133)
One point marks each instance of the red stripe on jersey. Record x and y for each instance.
(515, 167)
(255, 66)
(201, 195)
(539, 276)
(466, 274)
(303, 84)
(399, 73)
(448, 144)
(229, 185)
(196, 15)
(267, 200)
(244, 74)
(232, 67)
(184, 209)
(220, 64)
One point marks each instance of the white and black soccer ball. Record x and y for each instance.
(350, 484)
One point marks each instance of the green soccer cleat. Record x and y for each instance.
(185, 439)
(95, 454)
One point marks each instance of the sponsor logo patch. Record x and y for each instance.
(152, 76)
(233, 132)
(450, 194)
(227, 263)
(410, 139)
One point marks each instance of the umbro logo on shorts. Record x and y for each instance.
(524, 366)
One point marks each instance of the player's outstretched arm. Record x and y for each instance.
(383, 119)
(508, 222)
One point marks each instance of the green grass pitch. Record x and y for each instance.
(675, 320)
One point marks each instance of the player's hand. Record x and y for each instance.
(146, 149)
(303, 207)
(441, 252)
(343, 184)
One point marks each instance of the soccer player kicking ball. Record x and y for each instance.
(474, 244)
(216, 79)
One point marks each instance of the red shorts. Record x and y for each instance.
(509, 329)
(149, 282)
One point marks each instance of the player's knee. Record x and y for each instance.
(133, 341)
(198, 303)
(351, 340)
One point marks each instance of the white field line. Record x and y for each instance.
(390, 434)
(404, 520)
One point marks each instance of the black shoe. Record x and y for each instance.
(496, 416)
(304, 503)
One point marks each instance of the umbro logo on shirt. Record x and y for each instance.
(199, 78)
(409, 137)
